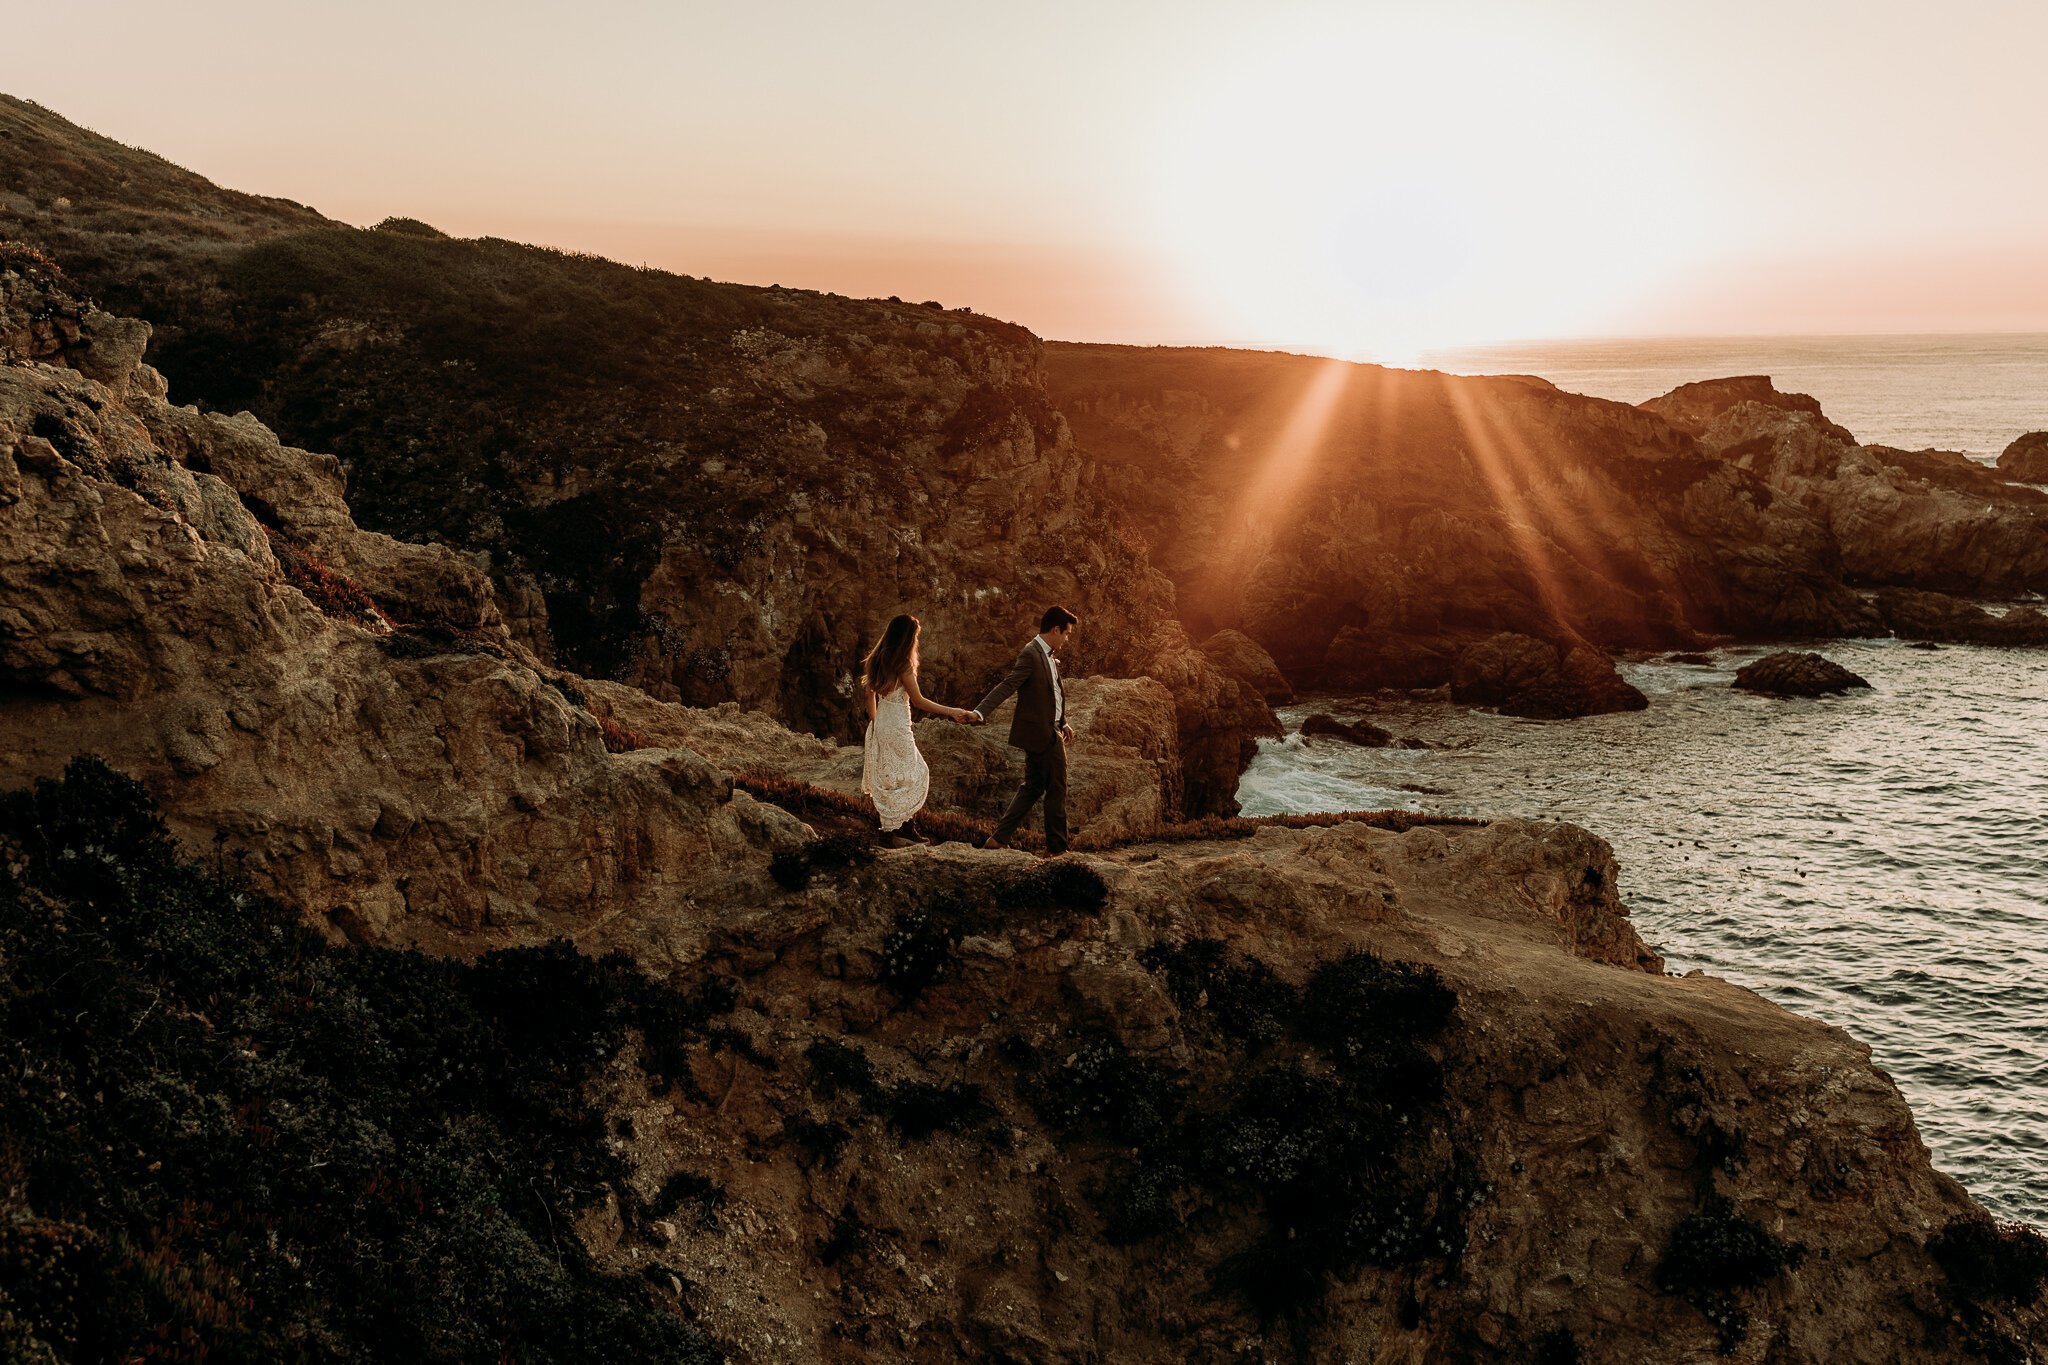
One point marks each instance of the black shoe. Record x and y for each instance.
(895, 840)
(988, 841)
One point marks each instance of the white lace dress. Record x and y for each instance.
(894, 776)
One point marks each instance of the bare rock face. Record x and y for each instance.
(1695, 407)
(1915, 615)
(1792, 674)
(407, 784)
(2026, 459)
(1365, 526)
(1917, 519)
(1533, 678)
(1240, 657)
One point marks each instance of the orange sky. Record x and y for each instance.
(1359, 179)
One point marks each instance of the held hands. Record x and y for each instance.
(967, 717)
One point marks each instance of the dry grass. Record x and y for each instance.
(334, 592)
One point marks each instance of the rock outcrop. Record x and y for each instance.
(1520, 676)
(2026, 459)
(1790, 673)
(1915, 615)
(1931, 520)
(1363, 733)
(1240, 657)
(1365, 526)
(417, 780)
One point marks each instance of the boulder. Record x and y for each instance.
(1242, 658)
(1362, 733)
(2026, 459)
(1523, 676)
(1789, 673)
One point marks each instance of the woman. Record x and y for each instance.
(895, 777)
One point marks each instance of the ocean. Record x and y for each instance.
(1877, 860)
(1968, 393)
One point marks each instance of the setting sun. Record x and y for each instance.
(1394, 185)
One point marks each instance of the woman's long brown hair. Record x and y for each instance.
(889, 660)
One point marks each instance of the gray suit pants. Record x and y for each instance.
(1045, 774)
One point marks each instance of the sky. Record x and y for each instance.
(1358, 179)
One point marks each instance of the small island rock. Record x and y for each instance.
(1790, 673)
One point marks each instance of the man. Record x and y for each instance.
(1039, 728)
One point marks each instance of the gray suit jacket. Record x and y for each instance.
(1036, 726)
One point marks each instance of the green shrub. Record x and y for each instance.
(1985, 1261)
(1057, 883)
(246, 1146)
(1245, 1000)
(1714, 1252)
(916, 953)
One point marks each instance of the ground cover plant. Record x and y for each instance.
(1325, 1117)
(222, 1140)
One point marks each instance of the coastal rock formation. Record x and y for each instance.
(1932, 520)
(1365, 526)
(1915, 615)
(2026, 459)
(415, 781)
(1789, 673)
(1240, 657)
(1362, 733)
(1008, 1159)
(1521, 676)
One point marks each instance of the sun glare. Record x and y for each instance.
(1399, 186)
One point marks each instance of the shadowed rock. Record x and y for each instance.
(1362, 733)
(1792, 674)
(1937, 616)
(2026, 459)
(1522, 676)
(1239, 656)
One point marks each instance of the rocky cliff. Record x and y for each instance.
(709, 491)
(1367, 526)
(1340, 1091)
(1930, 520)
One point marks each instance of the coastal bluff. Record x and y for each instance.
(1382, 1089)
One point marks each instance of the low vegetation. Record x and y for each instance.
(222, 1141)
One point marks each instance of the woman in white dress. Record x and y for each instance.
(894, 776)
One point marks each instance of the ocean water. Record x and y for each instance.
(1878, 860)
(1967, 393)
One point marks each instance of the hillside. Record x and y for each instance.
(1336, 1088)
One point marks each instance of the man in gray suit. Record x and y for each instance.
(1039, 728)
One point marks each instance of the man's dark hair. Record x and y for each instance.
(1056, 618)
